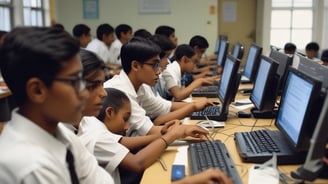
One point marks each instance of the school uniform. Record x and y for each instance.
(152, 102)
(114, 52)
(139, 123)
(171, 77)
(29, 154)
(103, 144)
(100, 48)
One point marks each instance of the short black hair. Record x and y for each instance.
(104, 29)
(122, 28)
(139, 49)
(312, 46)
(199, 41)
(324, 55)
(115, 98)
(163, 42)
(34, 52)
(290, 47)
(142, 33)
(164, 30)
(183, 50)
(80, 29)
(91, 62)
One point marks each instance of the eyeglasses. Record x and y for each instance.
(156, 66)
(77, 82)
(93, 84)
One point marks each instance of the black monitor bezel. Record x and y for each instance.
(268, 97)
(311, 115)
(255, 63)
(221, 57)
(239, 49)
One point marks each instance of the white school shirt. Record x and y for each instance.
(103, 144)
(31, 155)
(100, 48)
(152, 102)
(139, 123)
(171, 76)
(114, 52)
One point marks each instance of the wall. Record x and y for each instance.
(188, 17)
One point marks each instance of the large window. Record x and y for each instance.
(291, 21)
(33, 13)
(5, 14)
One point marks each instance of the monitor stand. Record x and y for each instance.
(263, 114)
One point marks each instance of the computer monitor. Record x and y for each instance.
(252, 63)
(299, 109)
(222, 54)
(285, 61)
(313, 165)
(238, 51)
(264, 91)
(314, 69)
(229, 79)
(218, 41)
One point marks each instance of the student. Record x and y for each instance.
(142, 33)
(82, 33)
(177, 110)
(324, 57)
(114, 115)
(312, 50)
(123, 34)
(101, 44)
(141, 65)
(49, 89)
(59, 26)
(186, 59)
(2, 36)
(290, 48)
(169, 32)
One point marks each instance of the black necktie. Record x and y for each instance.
(71, 168)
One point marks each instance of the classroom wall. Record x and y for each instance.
(188, 17)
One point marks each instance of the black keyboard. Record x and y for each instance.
(212, 154)
(209, 111)
(261, 142)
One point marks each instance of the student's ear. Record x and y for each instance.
(36, 90)
(109, 112)
(184, 59)
(135, 65)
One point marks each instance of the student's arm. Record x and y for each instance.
(207, 176)
(136, 142)
(180, 110)
(182, 93)
(144, 158)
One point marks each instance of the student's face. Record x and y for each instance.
(117, 123)
(63, 102)
(311, 54)
(173, 39)
(97, 92)
(199, 52)
(84, 40)
(164, 60)
(148, 73)
(191, 63)
(127, 36)
(109, 39)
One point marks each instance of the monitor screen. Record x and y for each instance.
(295, 119)
(238, 51)
(217, 44)
(252, 62)
(265, 87)
(224, 44)
(284, 62)
(228, 79)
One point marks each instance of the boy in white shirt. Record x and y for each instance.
(49, 89)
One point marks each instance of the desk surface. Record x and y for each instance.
(155, 173)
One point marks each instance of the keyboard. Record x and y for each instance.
(209, 92)
(212, 112)
(212, 154)
(262, 142)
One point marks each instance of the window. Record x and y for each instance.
(5, 14)
(291, 21)
(33, 13)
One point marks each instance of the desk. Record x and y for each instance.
(156, 174)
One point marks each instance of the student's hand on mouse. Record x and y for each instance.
(206, 177)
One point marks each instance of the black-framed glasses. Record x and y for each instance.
(77, 82)
(156, 66)
(93, 84)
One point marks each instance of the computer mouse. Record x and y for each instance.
(212, 123)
